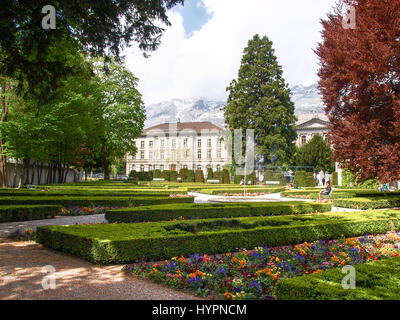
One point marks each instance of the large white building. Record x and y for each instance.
(173, 146)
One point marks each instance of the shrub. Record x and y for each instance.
(364, 203)
(225, 176)
(376, 280)
(93, 201)
(166, 175)
(273, 175)
(208, 210)
(190, 176)
(210, 174)
(335, 178)
(199, 176)
(28, 212)
(240, 190)
(304, 179)
(173, 176)
(134, 175)
(157, 174)
(121, 243)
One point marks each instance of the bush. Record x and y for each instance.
(199, 176)
(210, 174)
(166, 175)
(273, 175)
(134, 175)
(173, 176)
(28, 212)
(364, 203)
(157, 174)
(208, 210)
(93, 201)
(122, 243)
(335, 179)
(225, 177)
(304, 179)
(377, 280)
(250, 177)
(190, 176)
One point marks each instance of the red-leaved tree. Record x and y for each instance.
(360, 86)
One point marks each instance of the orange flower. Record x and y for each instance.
(228, 295)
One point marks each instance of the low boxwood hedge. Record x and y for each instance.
(70, 201)
(378, 280)
(338, 194)
(121, 243)
(365, 203)
(240, 190)
(208, 210)
(28, 212)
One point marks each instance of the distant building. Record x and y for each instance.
(310, 125)
(173, 146)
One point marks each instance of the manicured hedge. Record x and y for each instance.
(28, 212)
(378, 280)
(78, 192)
(121, 243)
(368, 203)
(240, 190)
(338, 193)
(208, 210)
(70, 201)
(304, 179)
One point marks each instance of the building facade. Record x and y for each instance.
(174, 146)
(310, 125)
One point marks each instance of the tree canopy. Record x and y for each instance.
(360, 86)
(260, 99)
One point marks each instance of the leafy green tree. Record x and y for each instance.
(122, 115)
(316, 153)
(260, 99)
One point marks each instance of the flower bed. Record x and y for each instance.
(254, 274)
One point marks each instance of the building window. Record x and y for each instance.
(199, 154)
(208, 154)
(133, 167)
(219, 142)
(150, 144)
(150, 155)
(150, 167)
(173, 143)
(185, 166)
(198, 167)
(162, 143)
(142, 168)
(219, 156)
(142, 144)
(162, 167)
(303, 139)
(209, 143)
(187, 154)
(185, 142)
(141, 155)
(218, 167)
(162, 155)
(199, 143)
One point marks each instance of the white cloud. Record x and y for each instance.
(204, 64)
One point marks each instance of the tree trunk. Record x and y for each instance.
(3, 158)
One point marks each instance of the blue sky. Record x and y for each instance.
(194, 15)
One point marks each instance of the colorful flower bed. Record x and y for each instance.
(180, 196)
(26, 234)
(244, 194)
(254, 274)
(85, 211)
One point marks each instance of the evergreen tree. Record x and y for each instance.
(316, 153)
(260, 99)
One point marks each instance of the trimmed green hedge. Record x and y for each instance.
(121, 243)
(240, 190)
(378, 280)
(304, 179)
(208, 210)
(70, 201)
(368, 203)
(29, 212)
(338, 193)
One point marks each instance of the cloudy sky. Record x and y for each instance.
(201, 52)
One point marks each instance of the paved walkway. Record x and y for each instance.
(9, 227)
(21, 277)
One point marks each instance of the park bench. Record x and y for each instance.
(213, 181)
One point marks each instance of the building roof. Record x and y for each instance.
(183, 126)
(310, 124)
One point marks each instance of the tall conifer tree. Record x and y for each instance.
(260, 99)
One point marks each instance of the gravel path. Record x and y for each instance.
(8, 227)
(21, 276)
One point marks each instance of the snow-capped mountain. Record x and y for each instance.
(306, 99)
